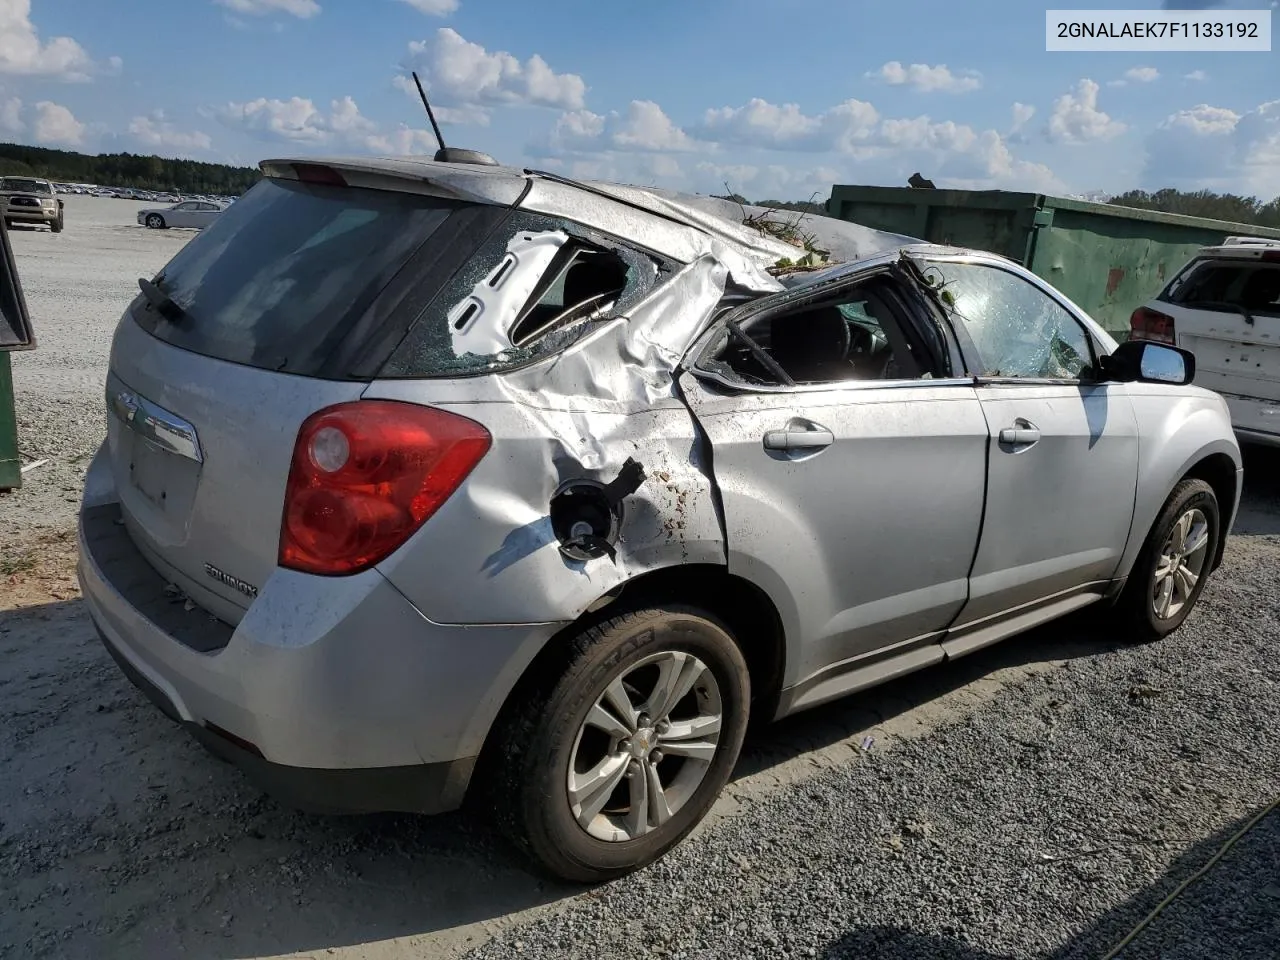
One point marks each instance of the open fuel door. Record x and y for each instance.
(15, 323)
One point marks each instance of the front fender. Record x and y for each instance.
(1176, 431)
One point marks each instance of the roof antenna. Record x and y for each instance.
(431, 116)
(450, 154)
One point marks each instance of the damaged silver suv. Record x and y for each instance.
(429, 480)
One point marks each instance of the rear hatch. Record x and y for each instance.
(292, 301)
(1226, 310)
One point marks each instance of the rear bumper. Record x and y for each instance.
(420, 788)
(332, 693)
(1254, 420)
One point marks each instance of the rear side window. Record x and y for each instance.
(283, 277)
(534, 287)
(1228, 285)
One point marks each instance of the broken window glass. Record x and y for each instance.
(1017, 329)
(533, 288)
(857, 335)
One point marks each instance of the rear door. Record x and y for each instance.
(1226, 310)
(854, 496)
(1063, 459)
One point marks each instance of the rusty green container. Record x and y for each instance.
(10, 470)
(1108, 259)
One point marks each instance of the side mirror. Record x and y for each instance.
(1146, 361)
(15, 322)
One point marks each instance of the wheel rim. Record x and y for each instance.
(645, 746)
(1180, 565)
(153, 221)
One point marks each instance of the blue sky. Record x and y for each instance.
(780, 99)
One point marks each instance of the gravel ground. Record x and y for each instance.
(1046, 824)
(1033, 799)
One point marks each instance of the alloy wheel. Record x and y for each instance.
(645, 746)
(1180, 564)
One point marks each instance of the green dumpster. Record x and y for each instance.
(10, 472)
(1107, 259)
(15, 334)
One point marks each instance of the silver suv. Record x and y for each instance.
(433, 479)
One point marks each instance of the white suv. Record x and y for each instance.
(1224, 306)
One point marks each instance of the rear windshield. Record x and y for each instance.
(1228, 285)
(353, 284)
(286, 273)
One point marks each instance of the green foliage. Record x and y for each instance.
(126, 170)
(1205, 203)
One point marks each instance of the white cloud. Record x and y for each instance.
(644, 127)
(298, 120)
(1218, 149)
(157, 132)
(24, 54)
(1077, 119)
(11, 115)
(1136, 75)
(1022, 114)
(464, 115)
(760, 123)
(303, 9)
(927, 79)
(1196, 76)
(433, 8)
(465, 73)
(56, 124)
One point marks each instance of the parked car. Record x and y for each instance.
(32, 201)
(187, 213)
(1224, 306)
(487, 484)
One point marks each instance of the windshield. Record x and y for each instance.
(290, 272)
(21, 185)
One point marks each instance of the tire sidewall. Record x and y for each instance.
(1192, 496)
(553, 831)
(155, 222)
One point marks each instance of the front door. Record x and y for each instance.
(852, 495)
(1063, 458)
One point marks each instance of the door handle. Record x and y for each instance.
(1023, 435)
(798, 439)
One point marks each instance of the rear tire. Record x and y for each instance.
(1170, 572)
(592, 787)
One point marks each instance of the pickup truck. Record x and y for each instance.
(30, 200)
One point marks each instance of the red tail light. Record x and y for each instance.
(365, 476)
(1148, 324)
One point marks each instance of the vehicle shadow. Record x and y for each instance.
(1259, 513)
(1229, 912)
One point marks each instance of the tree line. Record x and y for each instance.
(1205, 203)
(126, 170)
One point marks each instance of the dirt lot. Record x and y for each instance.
(1034, 799)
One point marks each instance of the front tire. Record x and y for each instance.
(56, 226)
(621, 743)
(155, 221)
(1173, 567)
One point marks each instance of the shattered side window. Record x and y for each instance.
(1018, 330)
(533, 288)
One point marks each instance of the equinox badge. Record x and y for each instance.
(235, 583)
